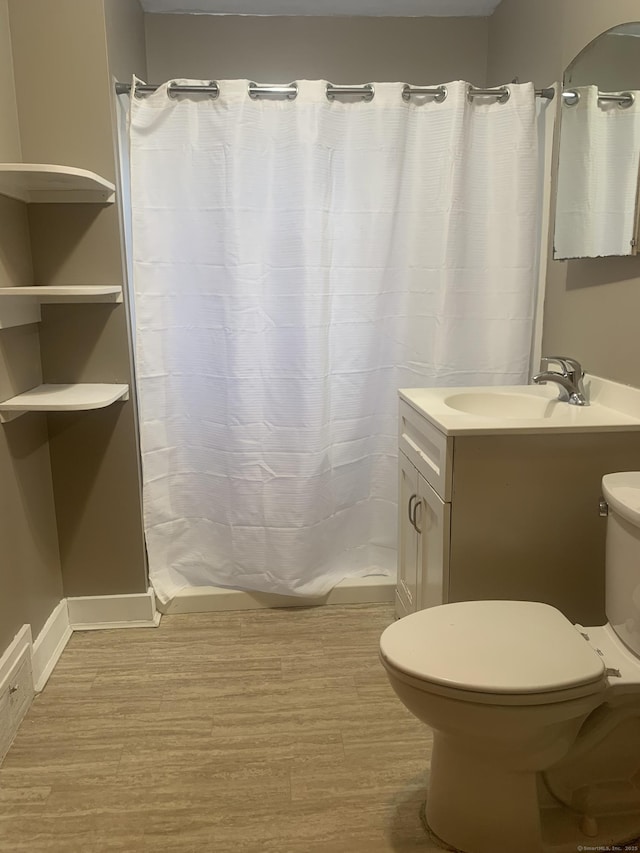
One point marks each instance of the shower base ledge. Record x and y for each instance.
(209, 599)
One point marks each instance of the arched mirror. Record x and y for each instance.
(599, 163)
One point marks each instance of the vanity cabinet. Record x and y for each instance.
(423, 551)
(407, 599)
(505, 515)
(423, 523)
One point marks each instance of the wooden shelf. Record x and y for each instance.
(46, 183)
(63, 398)
(21, 305)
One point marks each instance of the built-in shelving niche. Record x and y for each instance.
(37, 183)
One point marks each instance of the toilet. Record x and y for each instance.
(536, 721)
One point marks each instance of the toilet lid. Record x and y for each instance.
(492, 647)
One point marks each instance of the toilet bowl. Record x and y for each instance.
(536, 721)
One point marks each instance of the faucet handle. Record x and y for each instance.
(575, 365)
(571, 367)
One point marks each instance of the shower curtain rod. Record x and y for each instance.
(366, 91)
(625, 99)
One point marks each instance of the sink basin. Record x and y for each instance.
(493, 404)
(530, 409)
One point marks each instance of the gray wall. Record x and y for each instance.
(30, 578)
(71, 520)
(126, 50)
(343, 50)
(592, 306)
(94, 454)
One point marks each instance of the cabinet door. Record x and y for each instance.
(407, 584)
(433, 518)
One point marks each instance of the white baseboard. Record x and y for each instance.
(375, 588)
(16, 687)
(49, 644)
(96, 612)
(25, 666)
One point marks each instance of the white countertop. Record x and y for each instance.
(534, 408)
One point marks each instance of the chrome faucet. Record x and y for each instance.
(569, 379)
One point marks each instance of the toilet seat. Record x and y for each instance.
(494, 652)
(616, 656)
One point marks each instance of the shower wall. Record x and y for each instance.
(343, 50)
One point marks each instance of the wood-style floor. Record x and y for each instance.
(267, 730)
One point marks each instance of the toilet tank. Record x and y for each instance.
(622, 596)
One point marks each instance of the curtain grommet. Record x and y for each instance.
(174, 89)
(627, 99)
(438, 95)
(570, 98)
(367, 91)
(501, 94)
(256, 90)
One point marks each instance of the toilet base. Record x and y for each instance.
(477, 806)
(474, 807)
(560, 826)
(431, 834)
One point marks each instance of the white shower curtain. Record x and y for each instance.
(296, 262)
(597, 177)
